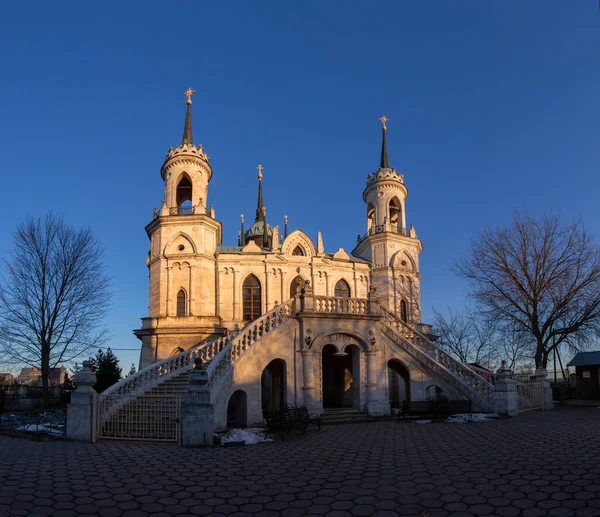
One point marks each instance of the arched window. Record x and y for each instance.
(251, 296)
(181, 303)
(395, 209)
(296, 282)
(184, 190)
(342, 289)
(298, 251)
(370, 216)
(403, 311)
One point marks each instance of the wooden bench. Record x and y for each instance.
(436, 408)
(282, 422)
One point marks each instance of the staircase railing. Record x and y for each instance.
(147, 378)
(439, 360)
(249, 335)
(339, 305)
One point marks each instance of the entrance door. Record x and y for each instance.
(398, 383)
(341, 386)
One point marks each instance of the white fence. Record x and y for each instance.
(530, 394)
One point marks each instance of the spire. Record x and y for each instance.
(260, 205)
(384, 164)
(242, 233)
(187, 128)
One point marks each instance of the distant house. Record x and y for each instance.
(587, 375)
(6, 379)
(33, 376)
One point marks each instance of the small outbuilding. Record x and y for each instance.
(587, 368)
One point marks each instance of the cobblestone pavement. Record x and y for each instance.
(537, 464)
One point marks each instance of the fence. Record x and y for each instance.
(530, 394)
(15, 397)
(53, 422)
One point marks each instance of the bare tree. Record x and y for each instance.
(53, 296)
(465, 336)
(540, 276)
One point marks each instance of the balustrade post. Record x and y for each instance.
(81, 412)
(374, 305)
(197, 424)
(506, 400)
(307, 302)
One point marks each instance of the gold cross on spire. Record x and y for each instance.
(383, 120)
(189, 92)
(259, 169)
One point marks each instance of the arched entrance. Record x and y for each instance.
(341, 377)
(237, 409)
(398, 383)
(272, 386)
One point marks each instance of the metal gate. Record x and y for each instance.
(152, 417)
(530, 394)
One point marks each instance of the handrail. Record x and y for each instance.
(339, 305)
(251, 333)
(459, 371)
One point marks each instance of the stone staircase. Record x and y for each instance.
(345, 415)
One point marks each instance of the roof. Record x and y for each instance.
(585, 359)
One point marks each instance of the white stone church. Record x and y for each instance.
(279, 319)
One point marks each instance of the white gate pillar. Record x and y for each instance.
(541, 375)
(197, 423)
(81, 412)
(506, 401)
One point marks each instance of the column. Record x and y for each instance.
(168, 291)
(81, 410)
(191, 310)
(541, 375)
(308, 380)
(506, 400)
(197, 423)
(374, 404)
(234, 296)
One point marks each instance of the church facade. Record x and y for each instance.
(279, 319)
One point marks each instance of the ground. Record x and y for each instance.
(534, 465)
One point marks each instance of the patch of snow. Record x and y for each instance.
(248, 436)
(423, 421)
(39, 428)
(475, 417)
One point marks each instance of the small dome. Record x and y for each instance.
(257, 229)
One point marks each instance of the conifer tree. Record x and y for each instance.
(131, 370)
(106, 367)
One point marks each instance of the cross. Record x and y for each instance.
(189, 92)
(383, 120)
(259, 169)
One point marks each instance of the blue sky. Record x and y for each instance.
(493, 107)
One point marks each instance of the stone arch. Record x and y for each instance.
(174, 246)
(237, 409)
(297, 281)
(273, 386)
(403, 310)
(371, 216)
(398, 383)
(434, 392)
(298, 238)
(340, 376)
(403, 260)
(394, 209)
(340, 339)
(176, 351)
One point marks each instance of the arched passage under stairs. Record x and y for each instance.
(398, 383)
(272, 386)
(341, 376)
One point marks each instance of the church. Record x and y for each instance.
(278, 319)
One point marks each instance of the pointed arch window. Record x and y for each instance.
(251, 298)
(298, 251)
(184, 190)
(342, 289)
(403, 310)
(181, 303)
(370, 216)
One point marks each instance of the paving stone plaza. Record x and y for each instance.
(534, 465)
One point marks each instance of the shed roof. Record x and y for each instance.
(585, 359)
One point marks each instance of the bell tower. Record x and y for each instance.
(391, 247)
(184, 235)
